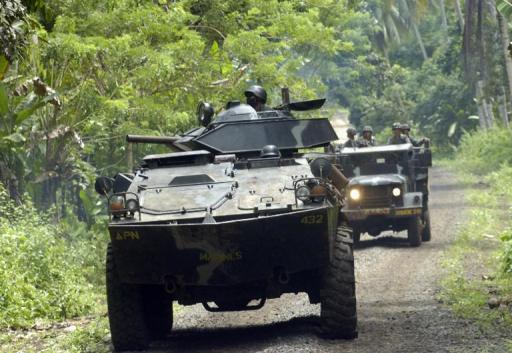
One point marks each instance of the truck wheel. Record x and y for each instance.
(338, 316)
(425, 234)
(414, 231)
(125, 310)
(157, 311)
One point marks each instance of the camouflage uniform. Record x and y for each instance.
(398, 139)
(365, 141)
(416, 143)
(351, 142)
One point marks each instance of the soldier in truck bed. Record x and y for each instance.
(367, 139)
(397, 138)
(351, 135)
(406, 129)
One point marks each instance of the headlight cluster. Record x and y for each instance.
(311, 191)
(121, 206)
(396, 191)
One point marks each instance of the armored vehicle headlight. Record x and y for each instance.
(303, 193)
(396, 192)
(116, 203)
(355, 194)
(132, 205)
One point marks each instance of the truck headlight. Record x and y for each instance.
(355, 194)
(303, 193)
(132, 205)
(396, 192)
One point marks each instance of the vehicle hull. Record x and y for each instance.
(227, 253)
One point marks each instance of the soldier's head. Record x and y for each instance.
(367, 132)
(406, 129)
(256, 97)
(351, 133)
(397, 129)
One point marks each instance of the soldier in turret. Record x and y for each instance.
(256, 98)
(397, 138)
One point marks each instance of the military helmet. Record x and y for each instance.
(270, 151)
(405, 127)
(257, 91)
(351, 131)
(396, 126)
(368, 128)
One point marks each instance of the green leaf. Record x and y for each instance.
(4, 65)
(4, 100)
(16, 137)
(451, 130)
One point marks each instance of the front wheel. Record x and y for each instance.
(126, 312)
(425, 234)
(338, 315)
(414, 229)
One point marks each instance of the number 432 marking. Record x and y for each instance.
(313, 219)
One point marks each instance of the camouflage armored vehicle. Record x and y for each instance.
(234, 218)
(388, 190)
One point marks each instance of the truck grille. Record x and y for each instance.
(375, 196)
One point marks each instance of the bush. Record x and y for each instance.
(39, 276)
(506, 253)
(484, 151)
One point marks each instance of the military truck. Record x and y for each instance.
(388, 190)
(235, 217)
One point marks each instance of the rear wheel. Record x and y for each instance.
(414, 229)
(425, 234)
(338, 316)
(126, 312)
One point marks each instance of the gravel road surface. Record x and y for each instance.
(396, 293)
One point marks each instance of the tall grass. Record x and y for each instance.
(41, 276)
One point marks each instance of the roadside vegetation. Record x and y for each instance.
(77, 75)
(478, 284)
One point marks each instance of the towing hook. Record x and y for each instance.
(170, 285)
(282, 276)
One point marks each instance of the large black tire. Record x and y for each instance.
(338, 313)
(126, 312)
(157, 311)
(414, 229)
(425, 234)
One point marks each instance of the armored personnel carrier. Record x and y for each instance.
(235, 217)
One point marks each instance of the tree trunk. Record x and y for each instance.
(502, 105)
(420, 41)
(460, 16)
(444, 21)
(505, 40)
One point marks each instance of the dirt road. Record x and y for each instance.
(397, 309)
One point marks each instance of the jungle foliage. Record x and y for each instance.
(77, 75)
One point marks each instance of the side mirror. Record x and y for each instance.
(103, 185)
(205, 113)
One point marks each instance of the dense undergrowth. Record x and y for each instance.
(479, 280)
(47, 272)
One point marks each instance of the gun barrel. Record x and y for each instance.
(166, 140)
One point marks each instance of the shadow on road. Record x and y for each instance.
(218, 339)
(383, 242)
